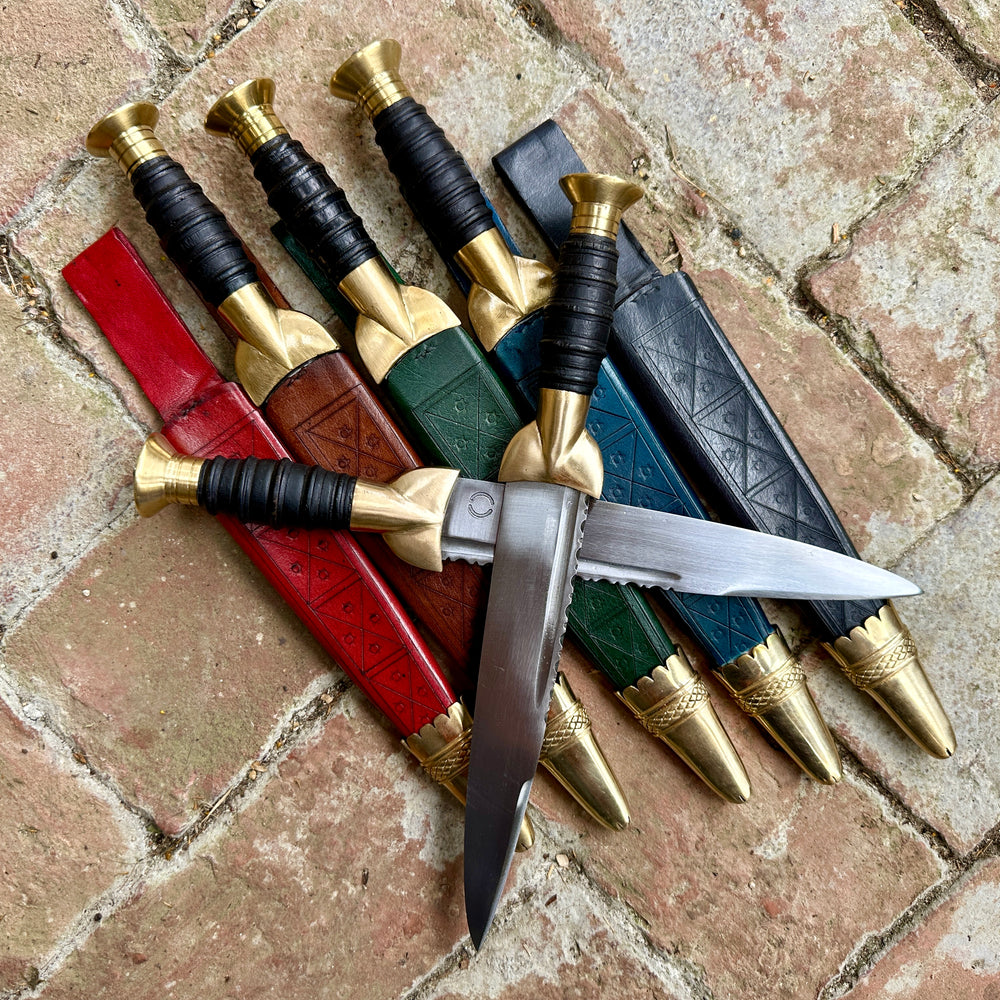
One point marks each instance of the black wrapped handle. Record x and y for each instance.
(313, 207)
(578, 316)
(193, 231)
(277, 492)
(434, 178)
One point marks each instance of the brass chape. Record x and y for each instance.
(673, 704)
(410, 510)
(246, 114)
(274, 341)
(126, 136)
(599, 200)
(505, 289)
(371, 77)
(443, 748)
(880, 657)
(556, 446)
(572, 755)
(162, 477)
(392, 318)
(769, 685)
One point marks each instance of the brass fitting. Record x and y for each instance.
(126, 136)
(163, 476)
(599, 201)
(370, 77)
(246, 114)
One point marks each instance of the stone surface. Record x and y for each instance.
(188, 25)
(61, 845)
(63, 67)
(953, 626)
(764, 898)
(794, 115)
(341, 878)
(954, 953)
(974, 21)
(166, 657)
(66, 461)
(929, 317)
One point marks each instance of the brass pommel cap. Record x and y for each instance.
(880, 658)
(599, 200)
(371, 77)
(673, 704)
(162, 477)
(443, 748)
(246, 115)
(571, 754)
(769, 685)
(126, 135)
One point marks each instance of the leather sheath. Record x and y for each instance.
(324, 576)
(464, 418)
(690, 381)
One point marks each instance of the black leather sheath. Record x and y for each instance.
(690, 381)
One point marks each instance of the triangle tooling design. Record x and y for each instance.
(343, 436)
(312, 561)
(723, 621)
(240, 440)
(725, 430)
(605, 611)
(791, 512)
(477, 439)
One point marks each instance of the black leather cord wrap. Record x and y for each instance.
(313, 207)
(434, 178)
(194, 232)
(578, 316)
(281, 493)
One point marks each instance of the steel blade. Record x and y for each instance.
(538, 535)
(655, 549)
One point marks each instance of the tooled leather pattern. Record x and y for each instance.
(327, 416)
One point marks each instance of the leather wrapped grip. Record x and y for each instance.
(434, 178)
(313, 207)
(578, 316)
(193, 231)
(276, 492)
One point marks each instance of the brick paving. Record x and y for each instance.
(196, 803)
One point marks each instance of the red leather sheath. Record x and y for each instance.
(323, 575)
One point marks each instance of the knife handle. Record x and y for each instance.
(297, 187)
(433, 177)
(193, 231)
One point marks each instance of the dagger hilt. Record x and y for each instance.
(556, 447)
(434, 178)
(298, 187)
(285, 494)
(194, 232)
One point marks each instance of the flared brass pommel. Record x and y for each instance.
(571, 754)
(443, 747)
(162, 477)
(769, 685)
(246, 115)
(673, 704)
(371, 77)
(126, 136)
(880, 658)
(599, 200)
(556, 446)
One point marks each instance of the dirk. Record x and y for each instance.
(202, 411)
(661, 327)
(393, 321)
(506, 293)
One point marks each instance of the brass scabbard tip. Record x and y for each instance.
(572, 755)
(371, 77)
(162, 477)
(442, 747)
(247, 115)
(599, 200)
(880, 658)
(673, 704)
(769, 685)
(126, 135)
